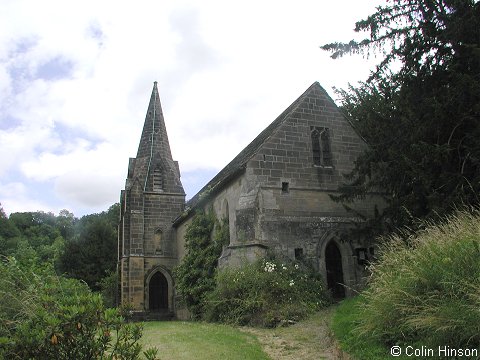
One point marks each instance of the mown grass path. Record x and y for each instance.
(195, 340)
(306, 340)
(310, 339)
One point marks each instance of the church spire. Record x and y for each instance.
(154, 165)
(154, 135)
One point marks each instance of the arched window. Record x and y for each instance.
(321, 152)
(316, 150)
(157, 241)
(325, 143)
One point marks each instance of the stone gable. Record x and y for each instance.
(275, 194)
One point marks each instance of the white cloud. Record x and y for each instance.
(15, 197)
(75, 80)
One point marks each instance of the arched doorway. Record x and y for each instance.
(333, 264)
(158, 292)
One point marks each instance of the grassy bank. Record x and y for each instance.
(346, 318)
(423, 294)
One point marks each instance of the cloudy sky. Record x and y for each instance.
(76, 77)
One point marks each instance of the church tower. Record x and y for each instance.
(152, 199)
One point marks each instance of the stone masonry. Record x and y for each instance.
(152, 198)
(275, 195)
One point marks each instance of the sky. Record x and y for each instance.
(76, 78)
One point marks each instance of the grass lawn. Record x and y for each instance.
(310, 339)
(197, 340)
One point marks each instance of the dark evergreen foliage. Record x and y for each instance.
(92, 254)
(419, 111)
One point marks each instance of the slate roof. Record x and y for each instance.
(239, 163)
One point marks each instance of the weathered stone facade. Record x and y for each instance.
(275, 195)
(152, 198)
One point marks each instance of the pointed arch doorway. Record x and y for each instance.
(333, 265)
(158, 292)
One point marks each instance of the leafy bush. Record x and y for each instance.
(265, 293)
(427, 291)
(109, 288)
(195, 276)
(44, 316)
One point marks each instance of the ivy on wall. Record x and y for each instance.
(195, 276)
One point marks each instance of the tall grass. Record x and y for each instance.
(427, 291)
(360, 346)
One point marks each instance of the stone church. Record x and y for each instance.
(274, 195)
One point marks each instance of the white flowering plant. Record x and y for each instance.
(266, 293)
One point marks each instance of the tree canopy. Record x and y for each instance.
(92, 254)
(419, 111)
(84, 248)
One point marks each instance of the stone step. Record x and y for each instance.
(159, 316)
(152, 316)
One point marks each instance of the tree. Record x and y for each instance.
(66, 224)
(2, 212)
(9, 234)
(31, 236)
(421, 121)
(92, 253)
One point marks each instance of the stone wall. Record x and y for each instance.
(283, 205)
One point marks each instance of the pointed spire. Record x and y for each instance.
(154, 135)
(154, 164)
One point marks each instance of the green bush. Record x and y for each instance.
(109, 288)
(427, 292)
(265, 293)
(44, 316)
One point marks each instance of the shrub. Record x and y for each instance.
(109, 288)
(427, 291)
(265, 293)
(44, 316)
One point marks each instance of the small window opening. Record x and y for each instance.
(285, 188)
(157, 180)
(362, 256)
(226, 212)
(298, 254)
